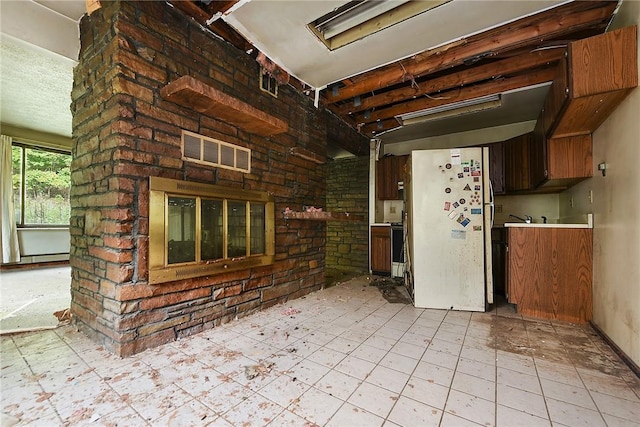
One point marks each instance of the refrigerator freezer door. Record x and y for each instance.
(447, 229)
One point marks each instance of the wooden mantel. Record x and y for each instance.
(192, 93)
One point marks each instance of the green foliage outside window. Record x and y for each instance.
(41, 186)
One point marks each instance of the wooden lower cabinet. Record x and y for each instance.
(380, 250)
(550, 273)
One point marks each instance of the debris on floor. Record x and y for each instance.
(392, 289)
(261, 369)
(289, 311)
(63, 316)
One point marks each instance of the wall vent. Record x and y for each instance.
(268, 84)
(208, 151)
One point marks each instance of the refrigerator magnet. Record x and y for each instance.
(456, 204)
(447, 190)
(447, 206)
(467, 187)
(476, 179)
(453, 214)
(477, 228)
(462, 201)
(476, 211)
(461, 218)
(460, 175)
(476, 173)
(465, 222)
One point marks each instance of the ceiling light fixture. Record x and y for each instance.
(451, 110)
(357, 19)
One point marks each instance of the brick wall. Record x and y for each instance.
(124, 132)
(348, 191)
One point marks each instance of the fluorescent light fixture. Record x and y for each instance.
(451, 110)
(357, 19)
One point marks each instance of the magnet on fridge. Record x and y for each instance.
(453, 214)
(476, 179)
(461, 218)
(476, 173)
(467, 187)
(465, 209)
(466, 169)
(447, 206)
(477, 228)
(465, 222)
(476, 187)
(476, 211)
(456, 204)
(447, 190)
(460, 175)
(462, 201)
(448, 166)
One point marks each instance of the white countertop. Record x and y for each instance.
(587, 224)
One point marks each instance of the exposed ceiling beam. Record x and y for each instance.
(531, 30)
(387, 115)
(462, 78)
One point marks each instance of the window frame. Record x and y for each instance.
(20, 222)
(160, 189)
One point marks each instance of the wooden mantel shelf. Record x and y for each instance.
(192, 93)
(323, 216)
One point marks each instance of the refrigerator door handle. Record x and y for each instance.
(491, 203)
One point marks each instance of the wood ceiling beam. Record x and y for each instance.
(462, 78)
(531, 30)
(463, 94)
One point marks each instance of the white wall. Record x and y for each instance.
(616, 209)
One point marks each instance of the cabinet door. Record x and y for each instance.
(517, 163)
(389, 171)
(380, 251)
(539, 167)
(496, 167)
(570, 158)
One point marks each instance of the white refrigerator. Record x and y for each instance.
(449, 217)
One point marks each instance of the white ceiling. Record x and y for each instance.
(39, 45)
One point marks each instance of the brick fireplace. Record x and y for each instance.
(124, 132)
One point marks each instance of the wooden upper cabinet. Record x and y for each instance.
(598, 74)
(389, 172)
(496, 167)
(517, 163)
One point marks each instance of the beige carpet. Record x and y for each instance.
(29, 297)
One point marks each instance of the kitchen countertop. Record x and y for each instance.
(567, 223)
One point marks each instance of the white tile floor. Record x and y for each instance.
(348, 358)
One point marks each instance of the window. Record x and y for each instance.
(200, 229)
(41, 186)
(209, 151)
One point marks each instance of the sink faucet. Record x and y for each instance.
(527, 218)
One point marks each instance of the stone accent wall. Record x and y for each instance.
(124, 132)
(348, 191)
